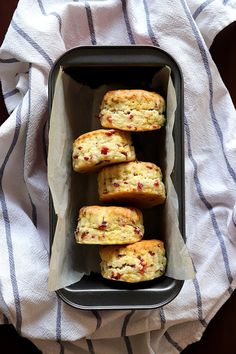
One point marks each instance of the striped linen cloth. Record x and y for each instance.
(39, 33)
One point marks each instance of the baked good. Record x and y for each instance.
(101, 147)
(132, 110)
(141, 261)
(135, 183)
(109, 225)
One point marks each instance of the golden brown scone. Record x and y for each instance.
(135, 183)
(109, 225)
(132, 110)
(141, 261)
(101, 147)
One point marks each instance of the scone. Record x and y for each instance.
(132, 110)
(109, 225)
(141, 261)
(101, 147)
(135, 183)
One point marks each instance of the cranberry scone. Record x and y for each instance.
(109, 225)
(135, 183)
(101, 147)
(141, 261)
(132, 110)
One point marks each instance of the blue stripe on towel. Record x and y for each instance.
(90, 346)
(149, 26)
(166, 334)
(90, 23)
(58, 326)
(127, 23)
(199, 299)
(34, 211)
(32, 42)
(208, 205)
(201, 8)
(98, 318)
(10, 93)
(173, 342)
(9, 61)
(199, 302)
(124, 330)
(210, 83)
(162, 317)
(40, 3)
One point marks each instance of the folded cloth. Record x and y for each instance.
(39, 33)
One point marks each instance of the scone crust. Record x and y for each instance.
(109, 225)
(132, 110)
(141, 261)
(101, 147)
(136, 183)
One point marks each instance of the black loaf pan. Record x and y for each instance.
(134, 67)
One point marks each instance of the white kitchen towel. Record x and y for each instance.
(39, 33)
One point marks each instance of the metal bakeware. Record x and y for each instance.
(134, 66)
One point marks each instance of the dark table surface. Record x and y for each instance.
(220, 335)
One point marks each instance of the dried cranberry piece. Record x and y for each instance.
(110, 133)
(84, 234)
(103, 225)
(104, 150)
(143, 266)
(86, 158)
(151, 253)
(116, 276)
(116, 185)
(156, 183)
(142, 270)
(140, 185)
(131, 116)
(75, 157)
